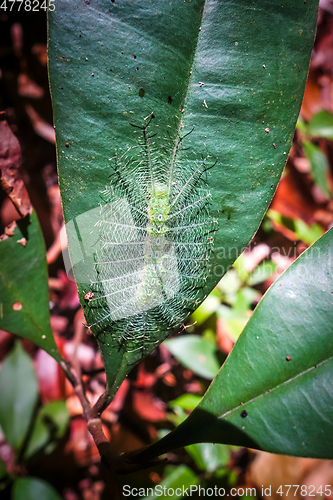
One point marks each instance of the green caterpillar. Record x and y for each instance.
(155, 284)
(156, 237)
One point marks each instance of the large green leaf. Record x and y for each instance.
(274, 391)
(220, 85)
(24, 295)
(18, 395)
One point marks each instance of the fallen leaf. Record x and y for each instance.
(10, 164)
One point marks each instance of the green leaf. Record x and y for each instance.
(274, 391)
(32, 488)
(303, 232)
(208, 456)
(231, 282)
(306, 233)
(24, 302)
(209, 78)
(50, 425)
(319, 166)
(244, 298)
(302, 126)
(186, 402)
(321, 125)
(196, 353)
(235, 325)
(240, 266)
(262, 273)
(178, 478)
(206, 309)
(18, 395)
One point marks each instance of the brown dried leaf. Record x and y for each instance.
(10, 164)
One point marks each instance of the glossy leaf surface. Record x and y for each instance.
(24, 296)
(274, 391)
(220, 85)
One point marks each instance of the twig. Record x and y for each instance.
(112, 462)
(101, 404)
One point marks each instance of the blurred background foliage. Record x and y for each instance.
(45, 449)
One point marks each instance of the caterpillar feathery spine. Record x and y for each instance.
(156, 237)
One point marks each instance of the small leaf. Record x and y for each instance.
(206, 309)
(231, 282)
(209, 456)
(195, 353)
(10, 170)
(319, 166)
(181, 477)
(303, 232)
(321, 125)
(50, 425)
(18, 395)
(306, 233)
(274, 391)
(32, 488)
(24, 302)
(262, 273)
(186, 402)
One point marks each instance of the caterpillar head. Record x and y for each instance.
(158, 208)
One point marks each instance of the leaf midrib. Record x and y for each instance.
(266, 393)
(178, 137)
